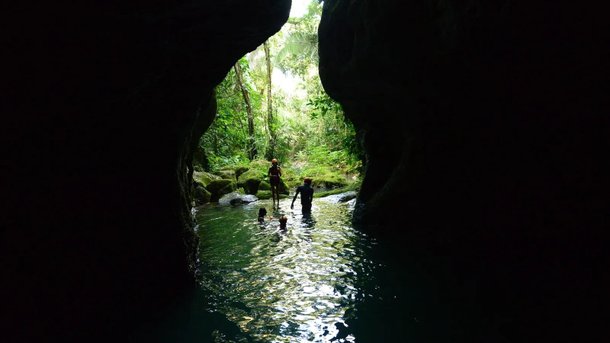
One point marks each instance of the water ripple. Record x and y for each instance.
(296, 285)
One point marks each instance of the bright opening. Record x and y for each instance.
(272, 105)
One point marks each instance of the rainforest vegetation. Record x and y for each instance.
(272, 105)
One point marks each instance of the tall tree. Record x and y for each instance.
(251, 139)
(270, 120)
(299, 51)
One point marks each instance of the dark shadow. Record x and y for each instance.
(308, 220)
(186, 321)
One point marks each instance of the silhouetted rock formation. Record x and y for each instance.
(487, 121)
(93, 95)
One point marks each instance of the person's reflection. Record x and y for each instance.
(307, 224)
(308, 220)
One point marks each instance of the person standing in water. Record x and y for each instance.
(274, 180)
(306, 192)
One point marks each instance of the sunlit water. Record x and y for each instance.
(301, 285)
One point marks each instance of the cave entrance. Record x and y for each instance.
(292, 273)
(272, 105)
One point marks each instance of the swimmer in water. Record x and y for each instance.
(283, 221)
(262, 212)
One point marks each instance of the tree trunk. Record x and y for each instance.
(251, 146)
(270, 124)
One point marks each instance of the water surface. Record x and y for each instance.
(298, 285)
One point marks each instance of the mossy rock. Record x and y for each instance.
(291, 179)
(251, 186)
(227, 174)
(240, 170)
(204, 178)
(263, 194)
(264, 186)
(250, 181)
(215, 185)
(251, 174)
(231, 187)
(329, 182)
(221, 187)
(283, 188)
(201, 195)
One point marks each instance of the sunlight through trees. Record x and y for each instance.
(272, 105)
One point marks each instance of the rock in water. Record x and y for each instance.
(236, 201)
(235, 198)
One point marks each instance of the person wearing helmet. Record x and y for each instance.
(274, 180)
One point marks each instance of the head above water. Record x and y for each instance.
(283, 221)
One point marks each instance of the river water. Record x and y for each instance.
(298, 285)
(320, 280)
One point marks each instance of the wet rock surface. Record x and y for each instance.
(482, 134)
(341, 197)
(236, 198)
(487, 138)
(99, 93)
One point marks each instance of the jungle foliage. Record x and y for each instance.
(302, 127)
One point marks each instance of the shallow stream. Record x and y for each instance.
(320, 280)
(297, 285)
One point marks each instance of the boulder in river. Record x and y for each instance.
(200, 194)
(220, 187)
(250, 180)
(204, 178)
(236, 198)
(341, 197)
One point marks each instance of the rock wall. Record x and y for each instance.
(101, 104)
(485, 128)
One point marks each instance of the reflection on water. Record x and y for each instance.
(297, 285)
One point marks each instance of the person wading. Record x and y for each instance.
(306, 192)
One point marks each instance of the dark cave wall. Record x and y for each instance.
(484, 127)
(484, 137)
(102, 103)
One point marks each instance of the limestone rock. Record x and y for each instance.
(201, 194)
(236, 198)
(220, 187)
(204, 178)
